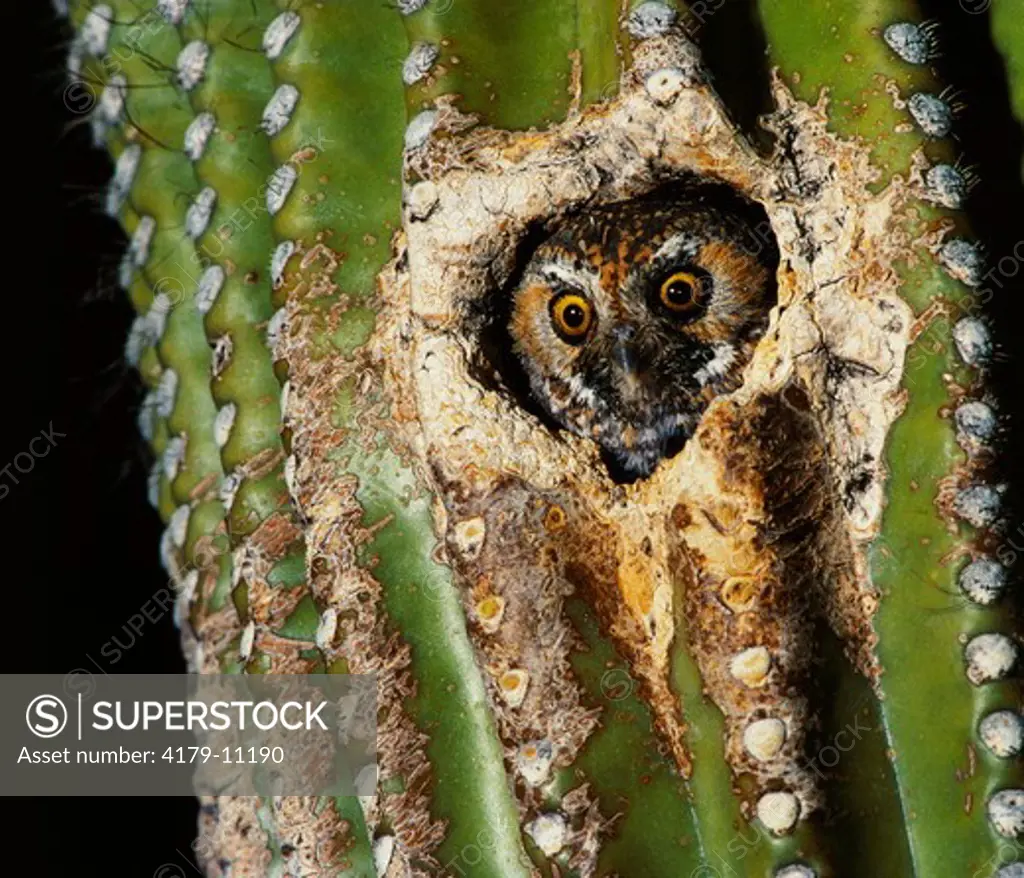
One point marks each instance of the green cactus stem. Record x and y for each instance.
(1008, 32)
(785, 654)
(932, 536)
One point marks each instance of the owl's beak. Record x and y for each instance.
(623, 352)
(624, 355)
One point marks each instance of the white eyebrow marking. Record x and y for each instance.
(563, 272)
(681, 244)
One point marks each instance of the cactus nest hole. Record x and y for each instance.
(486, 320)
(706, 528)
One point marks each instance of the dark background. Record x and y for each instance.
(80, 541)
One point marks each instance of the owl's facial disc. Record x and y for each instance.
(642, 390)
(629, 320)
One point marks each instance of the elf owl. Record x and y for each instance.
(630, 318)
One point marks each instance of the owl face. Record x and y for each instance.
(629, 319)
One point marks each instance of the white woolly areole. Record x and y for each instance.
(275, 328)
(421, 199)
(76, 52)
(195, 655)
(278, 260)
(1011, 870)
(167, 552)
(964, 261)
(367, 779)
(95, 29)
(166, 392)
(247, 639)
(290, 465)
(650, 19)
(1006, 812)
(222, 350)
(534, 760)
(665, 85)
(468, 537)
(223, 422)
(156, 316)
(512, 686)
(186, 589)
(795, 870)
(418, 62)
(279, 186)
(138, 251)
(197, 217)
(174, 454)
(383, 851)
(138, 340)
(228, 488)
(751, 666)
(1002, 732)
(286, 389)
(979, 505)
(989, 657)
(947, 186)
(912, 42)
(173, 11)
(156, 472)
(147, 415)
(208, 288)
(417, 133)
(197, 135)
(278, 111)
(138, 247)
(191, 64)
(178, 525)
(327, 628)
(933, 115)
(125, 168)
(99, 127)
(763, 738)
(111, 103)
(549, 833)
(778, 811)
(278, 32)
(973, 342)
(983, 581)
(975, 421)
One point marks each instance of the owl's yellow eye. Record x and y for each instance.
(683, 293)
(572, 316)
